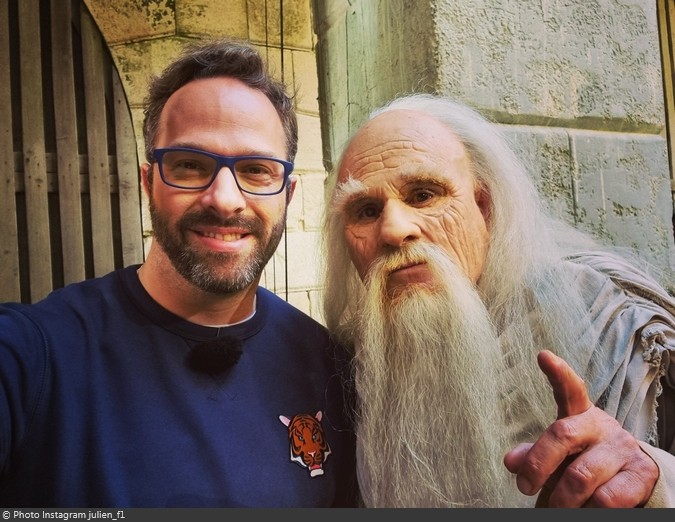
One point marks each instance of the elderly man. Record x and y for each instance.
(455, 289)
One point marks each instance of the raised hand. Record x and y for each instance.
(585, 458)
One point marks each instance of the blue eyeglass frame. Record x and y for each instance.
(221, 161)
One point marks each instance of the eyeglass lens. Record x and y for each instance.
(191, 169)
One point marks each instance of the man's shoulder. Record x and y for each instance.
(289, 318)
(626, 273)
(73, 299)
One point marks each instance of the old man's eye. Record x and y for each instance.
(421, 196)
(362, 211)
(367, 212)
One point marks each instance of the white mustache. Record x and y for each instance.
(408, 255)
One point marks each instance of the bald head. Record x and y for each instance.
(405, 178)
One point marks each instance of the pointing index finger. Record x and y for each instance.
(571, 397)
(568, 388)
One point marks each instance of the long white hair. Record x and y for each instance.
(526, 245)
(531, 301)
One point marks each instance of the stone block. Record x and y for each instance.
(309, 156)
(623, 189)
(615, 186)
(306, 81)
(299, 299)
(138, 61)
(265, 24)
(313, 200)
(546, 154)
(301, 250)
(122, 21)
(212, 18)
(562, 60)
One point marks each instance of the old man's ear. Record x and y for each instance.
(484, 201)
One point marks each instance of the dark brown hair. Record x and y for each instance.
(212, 59)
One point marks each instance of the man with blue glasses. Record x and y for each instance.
(182, 382)
(194, 169)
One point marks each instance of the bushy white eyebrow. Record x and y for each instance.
(352, 189)
(347, 191)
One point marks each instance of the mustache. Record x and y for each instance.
(407, 255)
(193, 219)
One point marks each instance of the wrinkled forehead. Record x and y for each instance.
(396, 140)
(397, 147)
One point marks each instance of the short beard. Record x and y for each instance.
(427, 367)
(204, 269)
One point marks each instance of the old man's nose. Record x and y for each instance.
(397, 225)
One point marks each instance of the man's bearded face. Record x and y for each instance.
(216, 272)
(427, 363)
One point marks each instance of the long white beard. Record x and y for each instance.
(428, 370)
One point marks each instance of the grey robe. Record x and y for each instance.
(629, 370)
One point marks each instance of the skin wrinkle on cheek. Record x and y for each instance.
(358, 236)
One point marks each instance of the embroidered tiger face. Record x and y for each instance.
(309, 447)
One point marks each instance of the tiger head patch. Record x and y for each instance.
(309, 447)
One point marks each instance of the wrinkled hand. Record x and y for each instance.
(585, 458)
